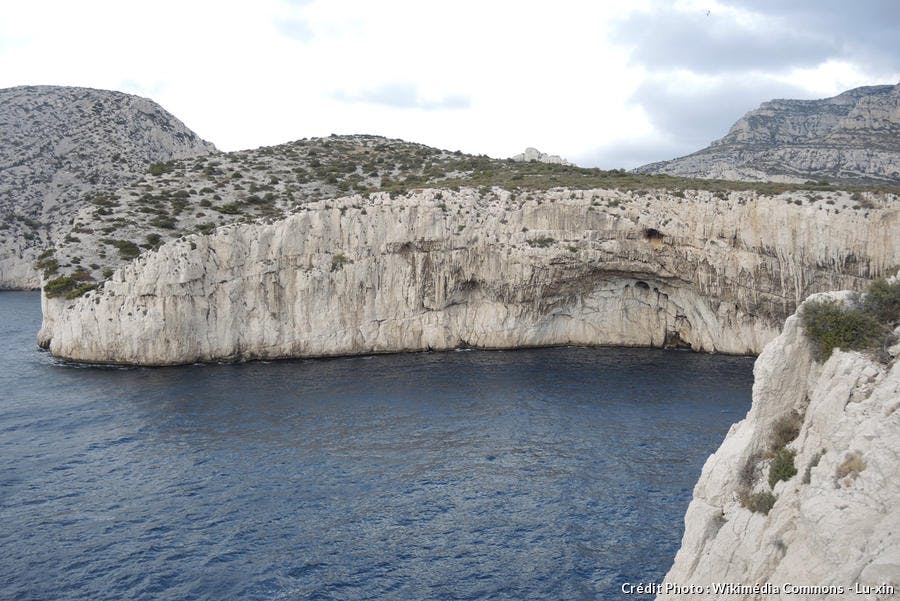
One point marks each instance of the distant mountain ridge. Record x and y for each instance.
(853, 137)
(60, 144)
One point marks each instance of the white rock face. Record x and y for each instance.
(533, 154)
(837, 522)
(440, 269)
(854, 136)
(58, 145)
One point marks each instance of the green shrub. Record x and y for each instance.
(154, 241)
(127, 249)
(157, 169)
(49, 265)
(163, 222)
(338, 261)
(80, 290)
(229, 208)
(782, 467)
(830, 325)
(70, 286)
(761, 502)
(883, 300)
(60, 286)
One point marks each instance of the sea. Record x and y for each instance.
(552, 473)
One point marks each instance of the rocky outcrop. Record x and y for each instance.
(833, 525)
(533, 154)
(852, 137)
(60, 144)
(437, 269)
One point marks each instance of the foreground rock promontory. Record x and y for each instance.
(489, 268)
(817, 518)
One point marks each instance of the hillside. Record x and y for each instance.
(851, 138)
(59, 144)
(195, 196)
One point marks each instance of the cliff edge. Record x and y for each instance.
(827, 435)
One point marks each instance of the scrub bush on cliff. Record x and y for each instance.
(830, 325)
(882, 300)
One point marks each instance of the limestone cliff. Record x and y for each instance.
(60, 145)
(437, 269)
(836, 523)
(852, 137)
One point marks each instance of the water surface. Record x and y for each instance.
(535, 474)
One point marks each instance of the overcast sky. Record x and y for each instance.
(608, 84)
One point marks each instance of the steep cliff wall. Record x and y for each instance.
(852, 137)
(59, 145)
(441, 269)
(836, 523)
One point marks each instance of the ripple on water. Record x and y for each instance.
(535, 474)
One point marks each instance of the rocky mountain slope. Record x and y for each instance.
(852, 137)
(61, 145)
(831, 520)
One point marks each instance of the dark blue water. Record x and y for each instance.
(534, 474)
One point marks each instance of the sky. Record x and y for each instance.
(604, 84)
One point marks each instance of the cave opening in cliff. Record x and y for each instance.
(653, 234)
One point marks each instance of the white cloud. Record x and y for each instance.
(484, 77)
